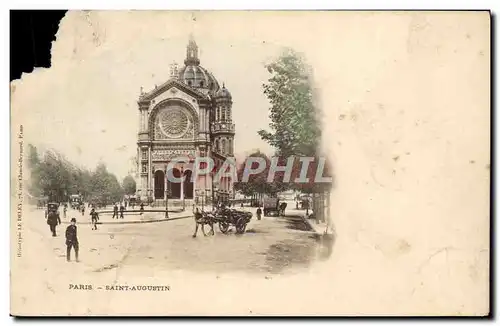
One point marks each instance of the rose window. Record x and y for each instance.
(173, 122)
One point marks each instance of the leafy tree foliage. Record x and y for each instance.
(129, 185)
(52, 175)
(295, 129)
(258, 183)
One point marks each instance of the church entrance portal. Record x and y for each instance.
(174, 186)
(188, 184)
(159, 184)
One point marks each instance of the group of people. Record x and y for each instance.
(123, 208)
(115, 211)
(53, 219)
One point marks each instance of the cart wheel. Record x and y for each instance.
(223, 227)
(241, 225)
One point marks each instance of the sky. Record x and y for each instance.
(85, 104)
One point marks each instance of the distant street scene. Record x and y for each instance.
(271, 245)
(188, 201)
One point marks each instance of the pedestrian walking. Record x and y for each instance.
(259, 213)
(115, 211)
(83, 210)
(71, 240)
(64, 211)
(53, 218)
(122, 209)
(142, 208)
(94, 218)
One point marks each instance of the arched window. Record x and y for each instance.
(223, 114)
(217, 145)
(223, 146)
(230, 145)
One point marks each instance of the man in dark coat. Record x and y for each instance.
(53, 220)
(142, 208)
(94, 218)
(282, 208)
(71, 240)
(259, 213)
(122, 209)
(115, 211)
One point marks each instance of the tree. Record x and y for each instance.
(129, 186)
(52, 175)
(33, 158)
(105, 186)
(295, 129)
(258, 183)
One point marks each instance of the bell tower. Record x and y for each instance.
(192, 53)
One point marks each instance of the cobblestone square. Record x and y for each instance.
(271, 245)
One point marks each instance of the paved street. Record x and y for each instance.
(158, 253)
(271, 245)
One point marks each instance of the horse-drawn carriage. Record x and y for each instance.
(76, 201)
(273, 206)
(225, 217)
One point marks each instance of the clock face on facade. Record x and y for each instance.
(173, 122)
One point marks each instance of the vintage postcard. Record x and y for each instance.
(246, 163)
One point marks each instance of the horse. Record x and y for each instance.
(282, 208)
(203, 218)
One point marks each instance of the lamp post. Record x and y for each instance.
(214, 192)
(184, 190)
(202, 201)
(196, 196)
(200, 194)
(166, 192)
(207, 194)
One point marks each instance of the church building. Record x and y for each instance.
(187, 116)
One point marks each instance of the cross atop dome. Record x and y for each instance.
(192, 52)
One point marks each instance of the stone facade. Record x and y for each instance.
(188, 116)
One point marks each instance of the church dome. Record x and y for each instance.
(194, 75)
(223, 93)
(198, 77)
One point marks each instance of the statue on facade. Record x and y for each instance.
(174, 72)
